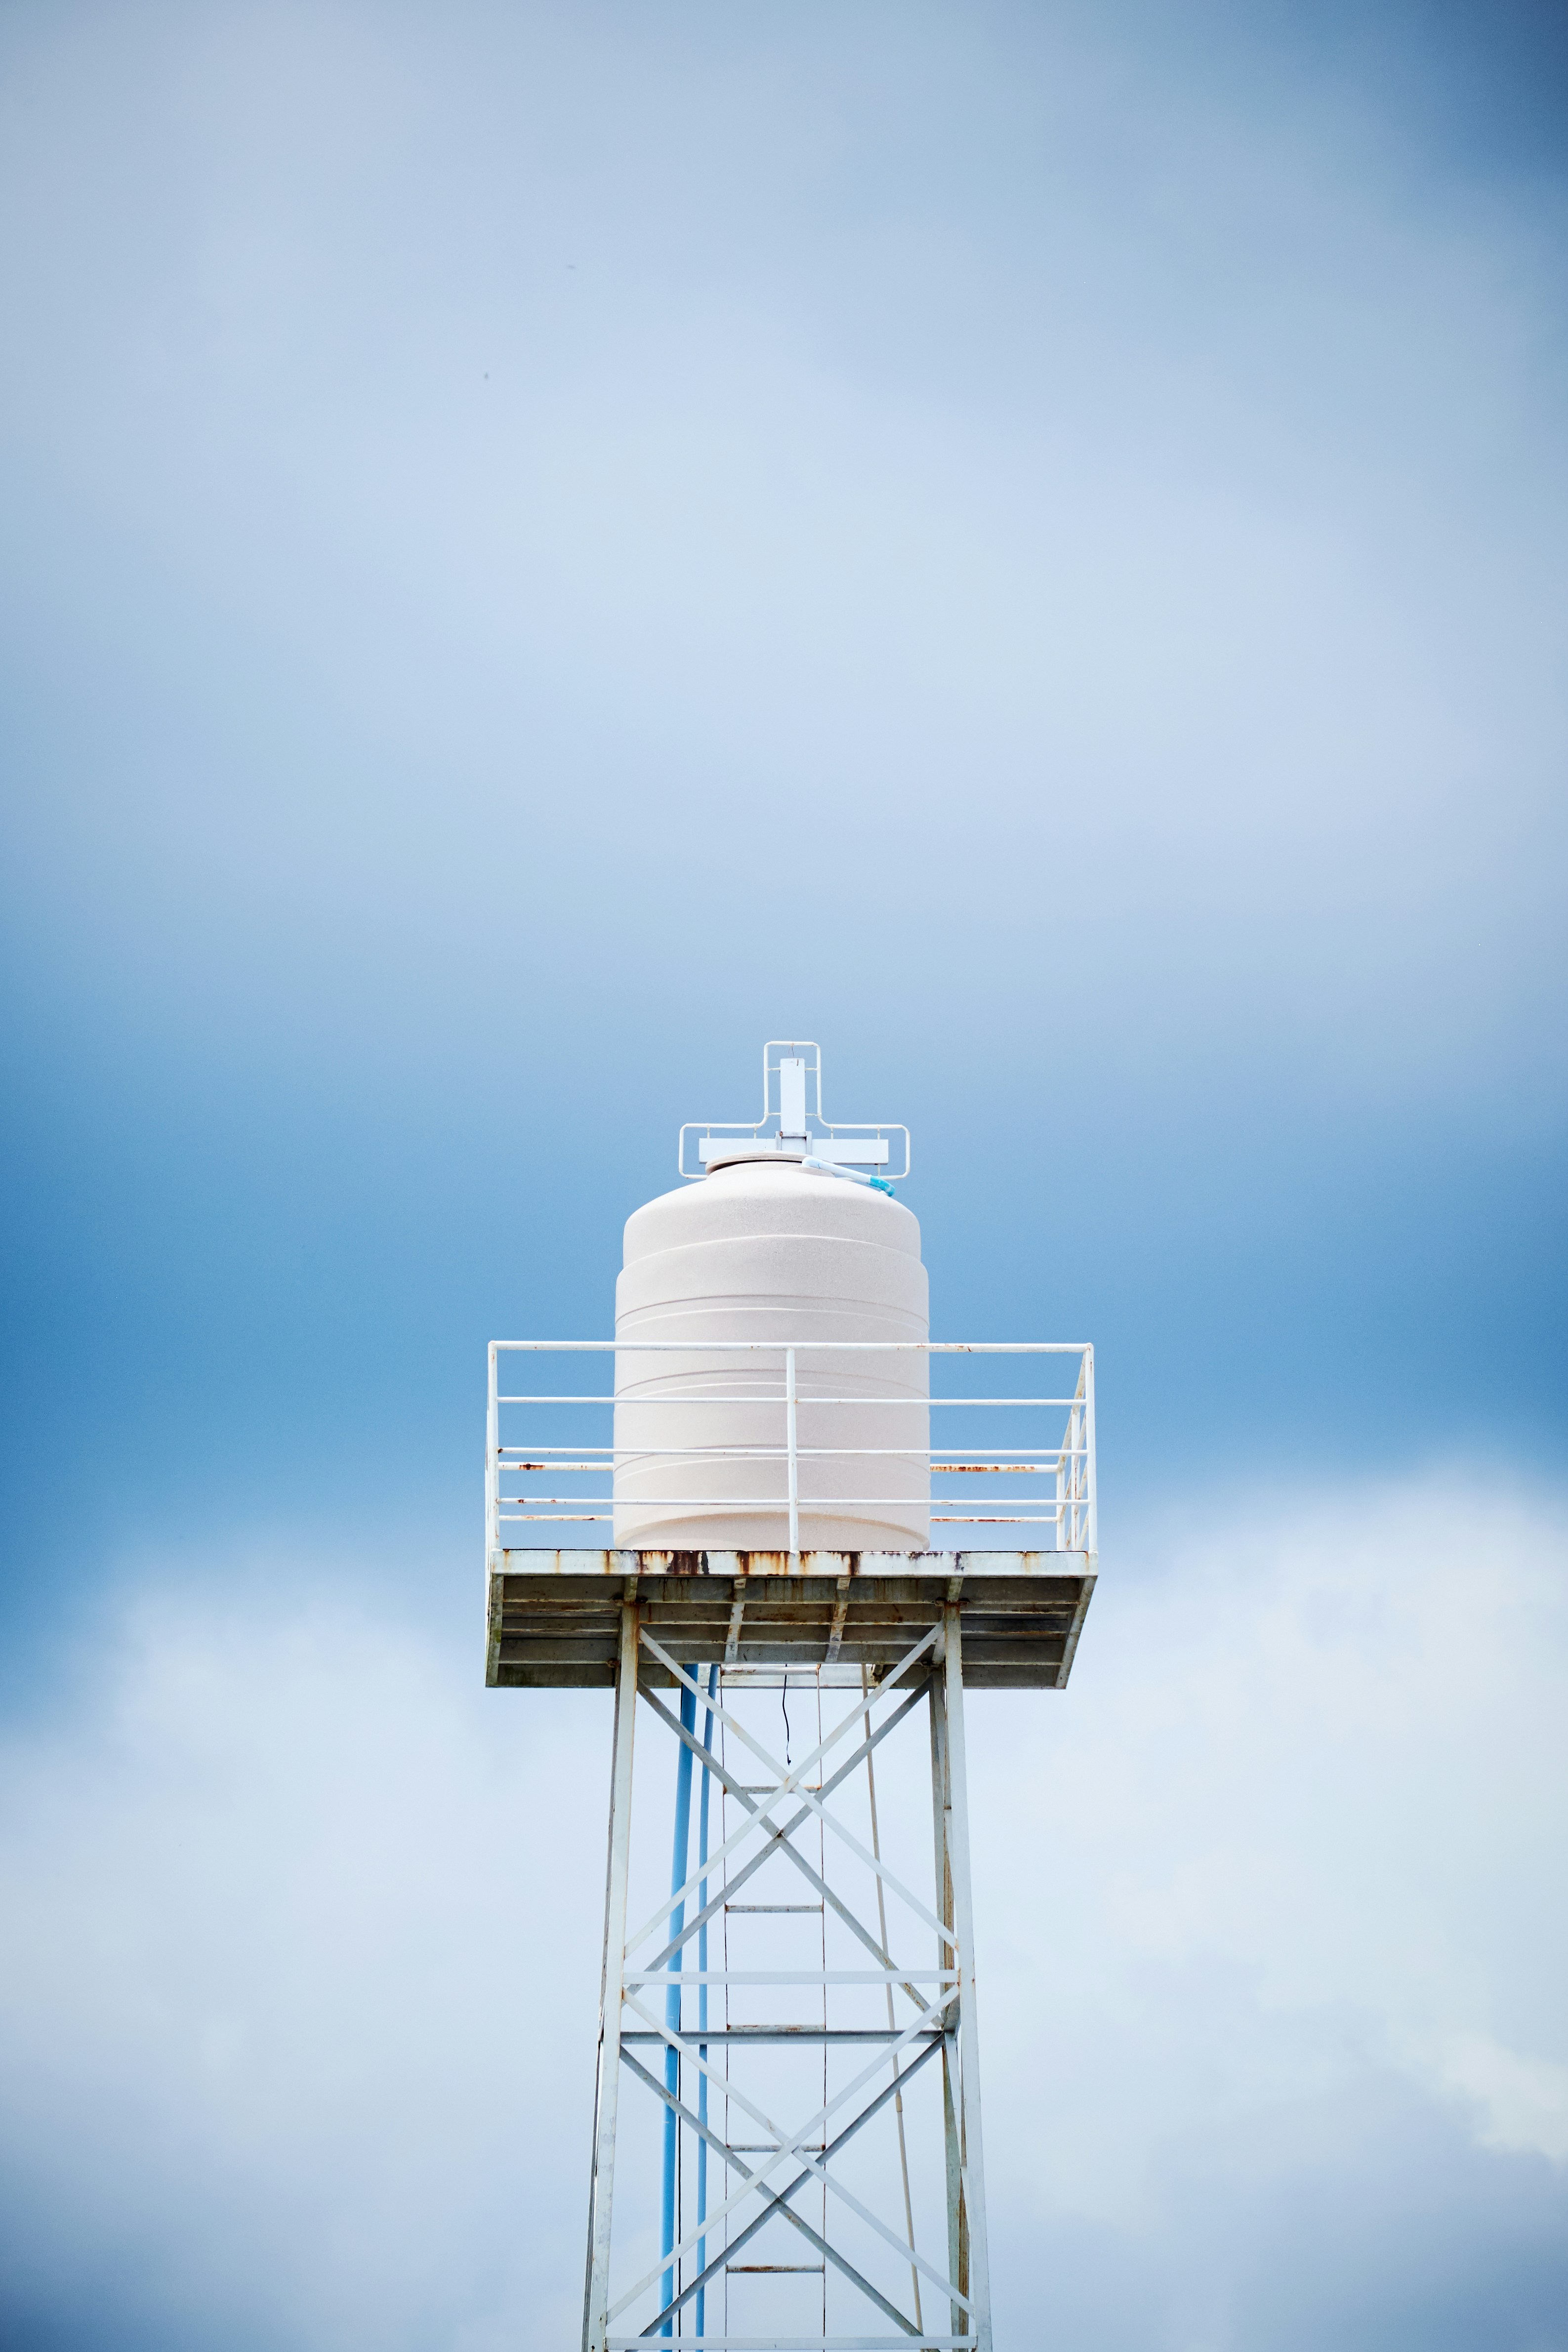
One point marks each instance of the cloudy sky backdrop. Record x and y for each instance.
(545, 545)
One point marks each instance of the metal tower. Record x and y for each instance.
(787, 2146)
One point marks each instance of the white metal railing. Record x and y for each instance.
(1065, 1514)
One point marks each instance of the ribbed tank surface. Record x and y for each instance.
(772, 1251)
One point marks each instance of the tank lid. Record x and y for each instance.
(740, 1151)
(793, 1126)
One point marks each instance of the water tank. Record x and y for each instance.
(765, 1249)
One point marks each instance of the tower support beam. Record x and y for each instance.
(766, 2173)
(612, 1987)
(975, 2268)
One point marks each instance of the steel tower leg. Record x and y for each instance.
(941, 1816)
(601, 2189)
(669, 2197)
(974, 2274)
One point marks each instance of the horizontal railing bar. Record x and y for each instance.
(1046, 1469)
(603, 1506)
(817, 1503)
(753, 1396)
(624, 1457)
(938, 1519)
(779, 1347)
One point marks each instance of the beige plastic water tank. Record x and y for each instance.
(769, 1250)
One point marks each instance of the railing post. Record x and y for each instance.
(1075, 1474)
(1091, 1512)
(793, 1457)
(492, 1470)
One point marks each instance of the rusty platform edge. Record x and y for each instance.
(540, 1561)
(950, 1571)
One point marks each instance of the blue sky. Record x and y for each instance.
(548, 545)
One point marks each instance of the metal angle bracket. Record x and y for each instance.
(1070, 1647)
(840, 1614)
(737, 1611)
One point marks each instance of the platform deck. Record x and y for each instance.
(553, 1616)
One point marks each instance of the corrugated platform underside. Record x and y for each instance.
(554, 1616)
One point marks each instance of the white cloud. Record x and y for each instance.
(301, 1956)
(1523, 2101)
(1284, 1844)
(276, 2034)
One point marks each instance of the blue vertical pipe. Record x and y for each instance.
(703, 2006)
(672, 1998)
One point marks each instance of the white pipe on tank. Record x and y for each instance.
(850, 1175)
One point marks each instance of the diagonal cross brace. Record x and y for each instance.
(779, 2204)
(791, 2145)
(780, 1841)
(788, 1784)
(747, 1798)
(788, 1781)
